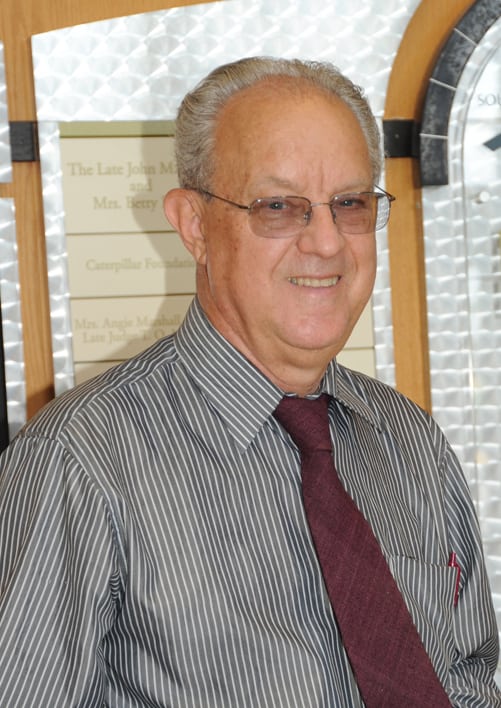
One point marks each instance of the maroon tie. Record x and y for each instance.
(390, 664)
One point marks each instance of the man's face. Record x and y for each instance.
(285, 303)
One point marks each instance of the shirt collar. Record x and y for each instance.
(243, 396)
(352, 390)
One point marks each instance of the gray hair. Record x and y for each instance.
(198, 113)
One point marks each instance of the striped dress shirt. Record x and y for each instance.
(155, 552)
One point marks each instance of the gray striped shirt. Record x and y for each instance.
(155, 552)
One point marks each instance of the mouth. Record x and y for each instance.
(314, 282)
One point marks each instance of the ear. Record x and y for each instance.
(183, 209)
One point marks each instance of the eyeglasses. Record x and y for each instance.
(285, 217)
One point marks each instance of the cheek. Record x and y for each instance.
(229, 264)
(365, 258)
(239, 263)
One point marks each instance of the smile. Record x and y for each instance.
(315, 282)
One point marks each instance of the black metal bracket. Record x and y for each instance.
(24, 141)
(401, 138)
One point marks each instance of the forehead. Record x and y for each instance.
(267, 100)
(287, 127)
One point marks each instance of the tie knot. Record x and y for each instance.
(306, 420)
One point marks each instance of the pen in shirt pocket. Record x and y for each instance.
(453, 563)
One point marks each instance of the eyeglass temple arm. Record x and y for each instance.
(391, 197)
(222, 199)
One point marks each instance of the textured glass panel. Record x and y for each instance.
(11, 318)
(463, 254)
(9, 281)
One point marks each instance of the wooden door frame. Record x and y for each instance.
(424, 37)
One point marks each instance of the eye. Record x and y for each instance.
(275, 208)
(276, 204)
(276, 212)
(351, 201)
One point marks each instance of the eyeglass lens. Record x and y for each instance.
(279, 217)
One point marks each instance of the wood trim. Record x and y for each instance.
(425, 35)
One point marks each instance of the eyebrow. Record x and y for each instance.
(279, 182)
(285, 184)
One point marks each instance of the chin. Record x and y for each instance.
(321, 336)
(327, 347)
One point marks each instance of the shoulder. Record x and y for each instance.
(387, 408)
(372, 392)
(100, 399)
(409, 435)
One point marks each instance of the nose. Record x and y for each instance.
(321, 235)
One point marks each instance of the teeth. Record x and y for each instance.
(315, 282)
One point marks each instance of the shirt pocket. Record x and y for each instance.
(429, 592)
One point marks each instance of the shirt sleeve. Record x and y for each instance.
(59, 572)
(471, 676)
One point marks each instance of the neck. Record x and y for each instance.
(292, 379)
(293, 370)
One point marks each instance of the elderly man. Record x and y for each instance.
(179, 531)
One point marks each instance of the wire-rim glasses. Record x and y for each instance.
(286, 216)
